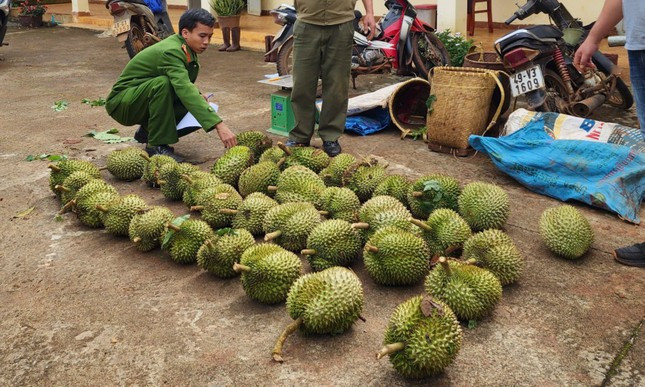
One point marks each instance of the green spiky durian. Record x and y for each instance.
(312, 158)
(86, 207)
(61, 170)
(230, 166)
(267, 274)
(218, 255)
(444, 231)
(326, 302)
(127, 164)
(332, 175)
(566, 232)
(255, 140)
(250, 214)
(382, 211)
(116, 216)
(215, 209)
(363, 178)
(396, 186)
(89, 189)
(484, 205)
(431, 192)
(171, 181)
(494, 250)
(147, 228)
(340, 203)
(72, 184)
(290, 224)
(258, 177)
(186, 239)
(470, 291)
(298, 184)
(332, 243)
(198, 181)
(152, 167)
(273, 154)
(422, 338)
(396, 257)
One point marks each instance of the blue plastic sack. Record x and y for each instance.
(154, 5)
(602, 175)
(368, 122)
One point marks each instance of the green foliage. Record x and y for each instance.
(46, 157)
(170, 232)
(227, 7)
(60, 105)
(94, 102)
(456, 45)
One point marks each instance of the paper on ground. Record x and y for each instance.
(189, 120)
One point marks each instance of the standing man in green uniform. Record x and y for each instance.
(323, 39)
(156, 89)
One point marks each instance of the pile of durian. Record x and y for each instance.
(333, 212)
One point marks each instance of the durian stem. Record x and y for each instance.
(272, 235)
(308, 252)
(161, 182)
(371, 248)
(103, 169)
(54, 167)
(327, 175)
(237, 267)
(210, 244)
(228, 211)
(101, 208)
(196, 208)
(173, 227)
(360, 225)
(272, 188)
(421, 224)
(471, 261)
(61, 188)
(67, 206)
(284, 148)
(363, 319)
(188, 179)
(281, 161)
(323, 213)
(136, 239)
(450, 250)
(389, 349)
(145, 156)
(277, 349)
(417, 194)
(446, 267)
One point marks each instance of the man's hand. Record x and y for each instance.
(582, 59)
(225, 134)
(370, 24)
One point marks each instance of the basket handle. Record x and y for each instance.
(501, 102)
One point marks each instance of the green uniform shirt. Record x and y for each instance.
(325, 12)
(174, 59)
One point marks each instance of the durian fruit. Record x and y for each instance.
(363, 178)
(198, 181)
(431, 192)
(186, 239)
(171, 181)
(258, 177)
(396, 186)
(484, 205)
(332, 243)
(147, 228)
(444, 231)
(250, 214)
(396, 257)
(72, 184)
(312, 158)
(83, 195)
(255, 140)
(566, 232)
(470, 291)
(332, 175)
(222, 197)
(273, 154)
(382, 211)
(268, 273)
(218, 255)
(339, 203)
(230, 166)
(127, 164)
(86, 206)
(298, 184)
(422, 338)
(326, 302)
(494, 250)
(61, 170)
(116, 216)
(290, 224)
(152, 167)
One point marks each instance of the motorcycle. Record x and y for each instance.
(140, 25)
(5, 7)
(402, 42)
(540, 59)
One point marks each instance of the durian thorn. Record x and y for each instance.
(371, 248)
(444, 263)
(421, 224)
(54, 167)
(196, 208)
(237, 267)
(277, 349)
(272, 188)
(228, 211)
(161, 182)
(67, 207)
(284, 148)
(210, 244)
(61, 188)
(281, 161)
(145, 156)
(188, 179)
(389, 349)
(361, 225)
(324, 213)
(173, 227)
(272, 235)
(101, 208)
(136, 239)
(308, 252)
(417, 194)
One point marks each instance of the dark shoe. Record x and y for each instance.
(332, 148)
(164, 150)
(141, 135)
(633, 255)
(235, 35)
(291, 143)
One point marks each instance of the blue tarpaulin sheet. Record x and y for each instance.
(368, 122)
(154, 5)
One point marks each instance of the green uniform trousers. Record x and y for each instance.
(153, 105)
(324, 51)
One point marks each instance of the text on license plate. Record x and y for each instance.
(122, 26)
(527, 80)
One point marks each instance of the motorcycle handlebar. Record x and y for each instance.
(511, 19)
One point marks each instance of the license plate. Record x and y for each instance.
(122, 26)
(527, 80)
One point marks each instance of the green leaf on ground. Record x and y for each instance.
(170, 232)
(24, 214)
(113, 131)
(60, 105)
(109, 136)
(47, 157)
(58, 218)
(94, 102)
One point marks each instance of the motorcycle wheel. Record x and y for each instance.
(556, 93)
(427, 52)
(285, 58)
(621, 98)
(134, 43)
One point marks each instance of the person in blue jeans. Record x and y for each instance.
(632, 12)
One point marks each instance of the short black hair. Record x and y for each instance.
(193, 16)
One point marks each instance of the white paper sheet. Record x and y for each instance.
(189, 120)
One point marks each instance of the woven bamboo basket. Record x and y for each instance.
(407, 105)
(478, 58)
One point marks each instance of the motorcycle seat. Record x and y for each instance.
(532, 36)
(545, 31)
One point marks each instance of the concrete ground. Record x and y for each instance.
(80, 307)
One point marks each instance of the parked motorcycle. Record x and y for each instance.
(5, 7)
(540, 59)
(138, 24)
(402, 42)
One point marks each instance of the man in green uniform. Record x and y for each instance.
(323, 39)
(156, 89)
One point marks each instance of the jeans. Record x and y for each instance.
(637, 77)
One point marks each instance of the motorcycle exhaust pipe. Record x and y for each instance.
(586, 106)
